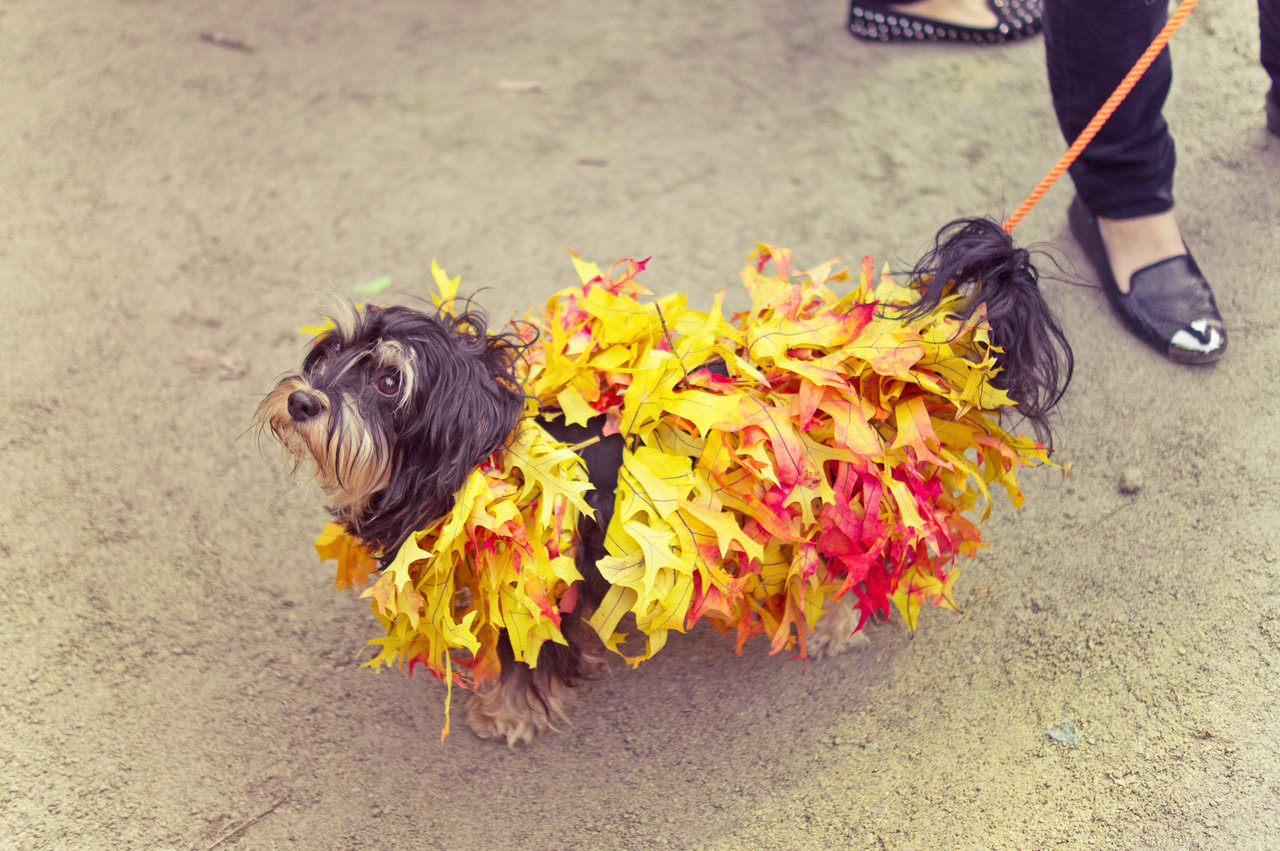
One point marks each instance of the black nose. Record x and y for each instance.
(303, 406)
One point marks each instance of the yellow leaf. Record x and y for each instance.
(913, 588)
(665, 479)
(850, 418)
(646, 397)
(944, 592)
(448, 695)
(707, 411)
(587, 272)
(669, 612)
(354, 561)
(446, 289)
(623, 569)
(622, 319)
(320, 329)
(910, 515)
(616, 603)
(576, 410)
(556, 471)
(725, 527)
(674, 441)
(915, 430)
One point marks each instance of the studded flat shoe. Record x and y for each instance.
(1169, 304)
(1018, 19)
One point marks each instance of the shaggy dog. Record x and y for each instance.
(790, 473)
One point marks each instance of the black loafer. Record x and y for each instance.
(1169, 304)
(1273, 110)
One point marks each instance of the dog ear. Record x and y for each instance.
(466, 402)
(977, 256)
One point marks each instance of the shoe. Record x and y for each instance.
(1018, 19)
(1273, 109)
(1169, 304)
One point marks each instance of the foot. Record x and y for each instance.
(965, 13)
(1165, 299)
(833, 633)
(972, 21)
(510, 709)
(1134, 244)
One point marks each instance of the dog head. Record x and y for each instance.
(395, 408)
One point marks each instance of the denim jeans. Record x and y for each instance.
(1127, 170)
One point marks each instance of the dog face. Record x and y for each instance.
(395, 408)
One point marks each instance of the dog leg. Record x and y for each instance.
(519, 706)
(523, 702)
(834, 634)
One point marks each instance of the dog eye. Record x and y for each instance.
(389, 383)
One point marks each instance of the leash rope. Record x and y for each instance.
(1091, 129)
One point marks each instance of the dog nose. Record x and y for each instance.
(303, 406)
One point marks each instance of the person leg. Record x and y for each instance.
(1123, 214)
(1125, 176)
(1127, 170)
(1269, 35)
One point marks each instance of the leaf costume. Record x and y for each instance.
(839, 450)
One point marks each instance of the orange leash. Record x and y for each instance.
(1092, 128)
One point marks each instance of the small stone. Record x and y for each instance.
(1131, 480)
(521, 87)
(1066, 733)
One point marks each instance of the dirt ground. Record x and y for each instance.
(177, 668)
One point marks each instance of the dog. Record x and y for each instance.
(790, 471)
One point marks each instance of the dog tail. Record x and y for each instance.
(976, 257)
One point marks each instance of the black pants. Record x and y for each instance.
(1127, 170)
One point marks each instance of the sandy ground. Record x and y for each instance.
(177, 669)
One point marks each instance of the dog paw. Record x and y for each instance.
(834, 633)
(500, 726)
(823, 644)
(501, 711)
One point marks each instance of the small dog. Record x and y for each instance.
(520, 493)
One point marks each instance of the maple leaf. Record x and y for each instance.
(446, 289)
(851, 420)
(576, 409)
(644, 399)
(915, 430)
(320, 329)
(707, 411)
(354, 561)
(665, 479)
(550, 468)
(621, 318)
(587, 272)
(788, 449)
(728, 533)
(616, 603)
